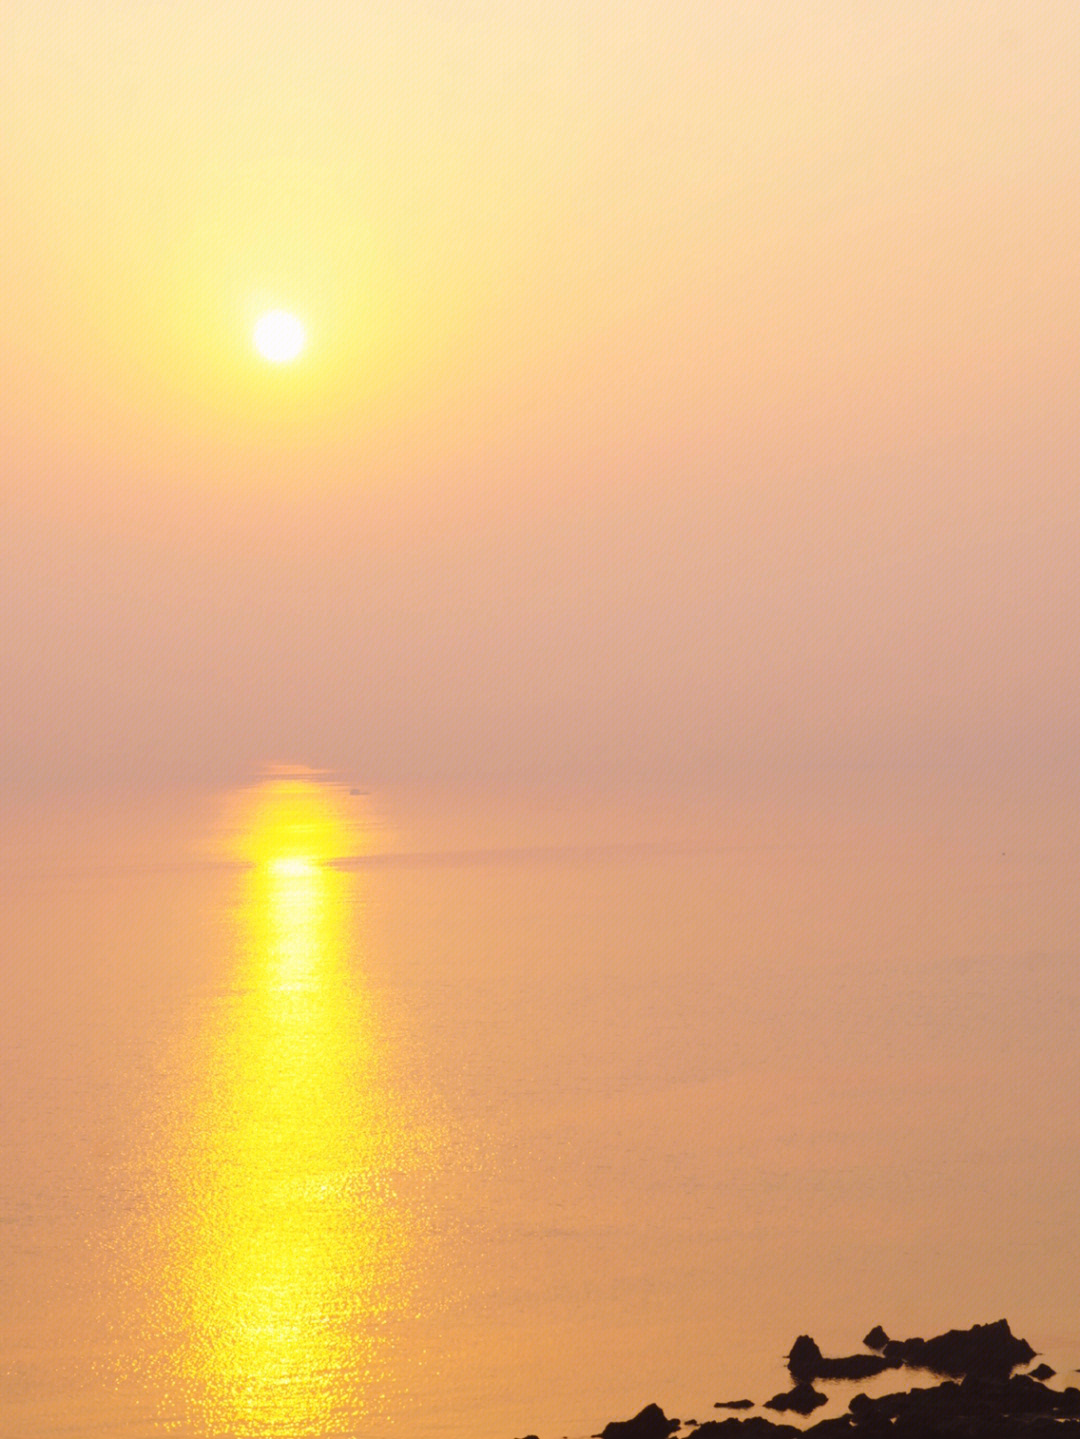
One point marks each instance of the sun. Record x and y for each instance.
(279, 336)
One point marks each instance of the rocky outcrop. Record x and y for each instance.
(803, 1399)
(650, 1423)
(988, 1402)
(807, 1363)
(754, 1428)
(976, 1408)
(987, 1349)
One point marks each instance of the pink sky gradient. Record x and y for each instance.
(690, 388)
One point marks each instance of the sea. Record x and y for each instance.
(335, 1111)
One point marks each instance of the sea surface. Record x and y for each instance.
(388, 1115)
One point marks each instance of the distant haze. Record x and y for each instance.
(691, 389)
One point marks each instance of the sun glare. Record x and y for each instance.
(279, 336)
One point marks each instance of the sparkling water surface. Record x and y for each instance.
(330, 1113)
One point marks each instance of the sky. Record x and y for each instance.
(691, 390)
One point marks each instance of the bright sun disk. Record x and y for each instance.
(279, 336)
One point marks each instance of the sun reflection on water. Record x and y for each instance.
(286, 1247)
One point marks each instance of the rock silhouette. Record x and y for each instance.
(807, 1363)
(981, 1398)
(803, 1399)
(986, 1349)
(753, 1428)
(650, 1423)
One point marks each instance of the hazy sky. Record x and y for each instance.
(690, 385)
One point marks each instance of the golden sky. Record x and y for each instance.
(688, 386)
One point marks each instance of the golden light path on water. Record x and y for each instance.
(287, 1246)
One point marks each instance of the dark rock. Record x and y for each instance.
(853, 1366)
(988, 1402)
(917, 1414)
(651, 1423)
(981, 1407)
(803, 1359)
(943, 1401)
(807, 1363)
(803, 1399)
(978, 1408)
(884, 1408)
(756, 1427)
(1043, 1371)
(988, 1349)
(1025, 1395)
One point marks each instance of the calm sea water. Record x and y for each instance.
(329, 1114)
